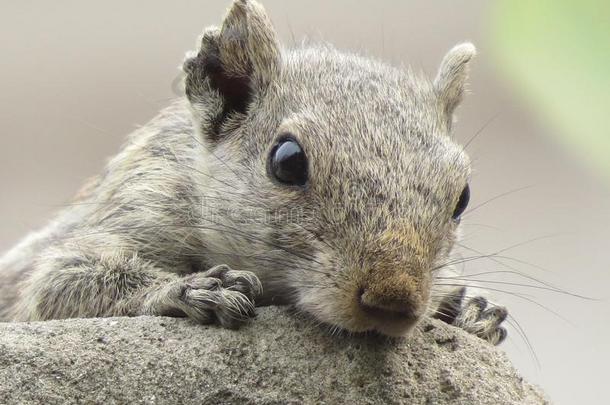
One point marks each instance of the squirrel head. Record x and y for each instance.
(332, 176)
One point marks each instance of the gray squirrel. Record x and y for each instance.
(306, 177)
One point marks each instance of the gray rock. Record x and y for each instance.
(277, 359)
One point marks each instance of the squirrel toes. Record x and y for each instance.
(307, 177)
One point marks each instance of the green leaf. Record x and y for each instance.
(557, 53)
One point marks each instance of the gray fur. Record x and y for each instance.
(190, 192)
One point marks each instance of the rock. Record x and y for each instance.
(279, 358)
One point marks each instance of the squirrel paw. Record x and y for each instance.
(475, 316)
(218, 295)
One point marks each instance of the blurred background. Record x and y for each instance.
(76, 77)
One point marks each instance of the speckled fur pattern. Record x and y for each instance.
(185, 220)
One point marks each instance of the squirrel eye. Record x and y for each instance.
(461, 204)
(288, 163)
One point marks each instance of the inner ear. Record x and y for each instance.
(234, 62)
(236, 91)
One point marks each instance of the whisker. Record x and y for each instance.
(480, 131)
(468, 278)
(222, 228)
(497, 256)
(525, 297)
(527, 242)
(507, 193)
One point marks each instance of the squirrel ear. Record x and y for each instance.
(233, 62)
(451, 78)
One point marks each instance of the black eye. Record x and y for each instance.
(288, 163)
(461, 204)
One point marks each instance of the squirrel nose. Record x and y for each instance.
(399, 308)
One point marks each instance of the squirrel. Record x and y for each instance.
(307, 177)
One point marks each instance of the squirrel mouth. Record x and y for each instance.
(384, 315)
(393, 322)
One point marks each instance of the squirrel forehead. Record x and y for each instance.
(352, 96)
(323, 78)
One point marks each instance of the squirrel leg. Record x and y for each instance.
(73, 283)
(475, 316)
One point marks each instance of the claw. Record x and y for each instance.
(475, 316)
(219, 294)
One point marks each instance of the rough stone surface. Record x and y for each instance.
(277, 359)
